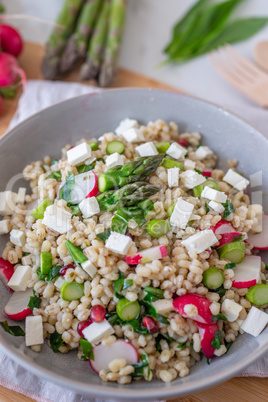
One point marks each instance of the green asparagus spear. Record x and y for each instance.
(110, 62)
(77, 44)
(90, 68)
(127, 196)
(131, 172)
(56, 44)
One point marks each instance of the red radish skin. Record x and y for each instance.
(10, 40)
(98, 313)
(150, 324)
(260, 240)
(207, 334)
(82, 325)
(206, 173)
(95, 189)
(202, 304)
(182, 142)
(10, 71)
(63, 270)
(6, 271)
(247, 273)
(147, 255)
(222, 227)
(104, 354)
(17, 308)
(229, 237)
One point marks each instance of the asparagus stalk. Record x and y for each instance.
(77, 44)
(56, 44)
(127, 196)
(110, 62)
(131, 172)
(90, 68)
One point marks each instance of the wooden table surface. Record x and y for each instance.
(237, 389)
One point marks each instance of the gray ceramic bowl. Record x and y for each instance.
(92, 115)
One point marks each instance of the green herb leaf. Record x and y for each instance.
(181, 345)
(34, 302)
(121, 284)
(75, 209)
(228, 209)
(140, 366)
(216, 343)
(85, 168)
(219, 316)
(113, 318)
(8, 92)
(55, 175)
(230, 265)
(87, 349)
(266, 267)
(151, 311)
(158, 293)
(104, 235)
(75, 252)
(40, 275)
(161, 337)
(53, 273)
(206, 207)
(198, 171)
(55, 341)
(120, 222)
(208, 361)
(65, 190)
(221, 291)
(228, 345)
(12, 330)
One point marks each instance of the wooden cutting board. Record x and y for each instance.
(237, 389)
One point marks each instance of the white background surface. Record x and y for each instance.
(147, 31)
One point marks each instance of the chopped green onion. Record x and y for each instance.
(170, 163)
(213, 278)
(258, 294)
(71, 291)
(162, 147)
(93, 145)
(127, 310)
(233, 252)
(45, 262)
(75, 252)
(115, 146)
(158, 227)
(159, 293)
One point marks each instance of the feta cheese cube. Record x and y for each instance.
(17, 237)
(173, 177)
(115, 159)
(147, 149)
(34, 330)
(118, 243)
(216, 206)
(200, 241)
(89, 207)
(213, 195)
(27, 260)
(230, 309)
(236, 180)
(163, 306)
(189, 164)
(181, 213)
(59, 282)
(190, 179)
(133, 135)
(203, 152)
(125, 125)
(176, 151)
(255, 322)
(20, 279)
(57, 219)
(97, 330)
(4, 226)
(89, 268)
(21, 195)
(79, 153)
(7, 202)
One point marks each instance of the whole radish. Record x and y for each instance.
(10, 40)
(10, 70)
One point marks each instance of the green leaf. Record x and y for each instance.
(34, 302)
(206, 207)
(85, 168)
(53, 273)
(40, 275)
(75, 252)
(87, 349)
(219, 316)
(181, 345)
(2, 8)
(121, 284)
(113, 318)
(120, 221)
(228, 345)
(8, 92)
(161, 337)
(216, 343)
(266, 267)
(140, 366)
(230, 265)
(104, 235)
(75, 209)
(228, 209)
(12, 330)
(158, 293)
(55, 341)
(221, 291)
(65, 191)
(55, 175)
(198, 171)
(151, 311)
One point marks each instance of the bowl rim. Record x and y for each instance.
(119, 392)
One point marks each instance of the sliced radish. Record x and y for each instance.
(17, 307)
(183, 303)
(222, 227)
(6, 271)
(229, 237)
(104, 354)
(86, 185)
(207, 335)
(206, 173)
(260, 240)
(150, 254)
(247, 273)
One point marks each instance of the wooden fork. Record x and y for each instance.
(242, 74)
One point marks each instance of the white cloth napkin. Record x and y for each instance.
(39, 95)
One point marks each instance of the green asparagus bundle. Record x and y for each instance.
(91, 67)
(56, 44)
(127, 196)
(77, 44)
(131, 172)
(111, 54)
